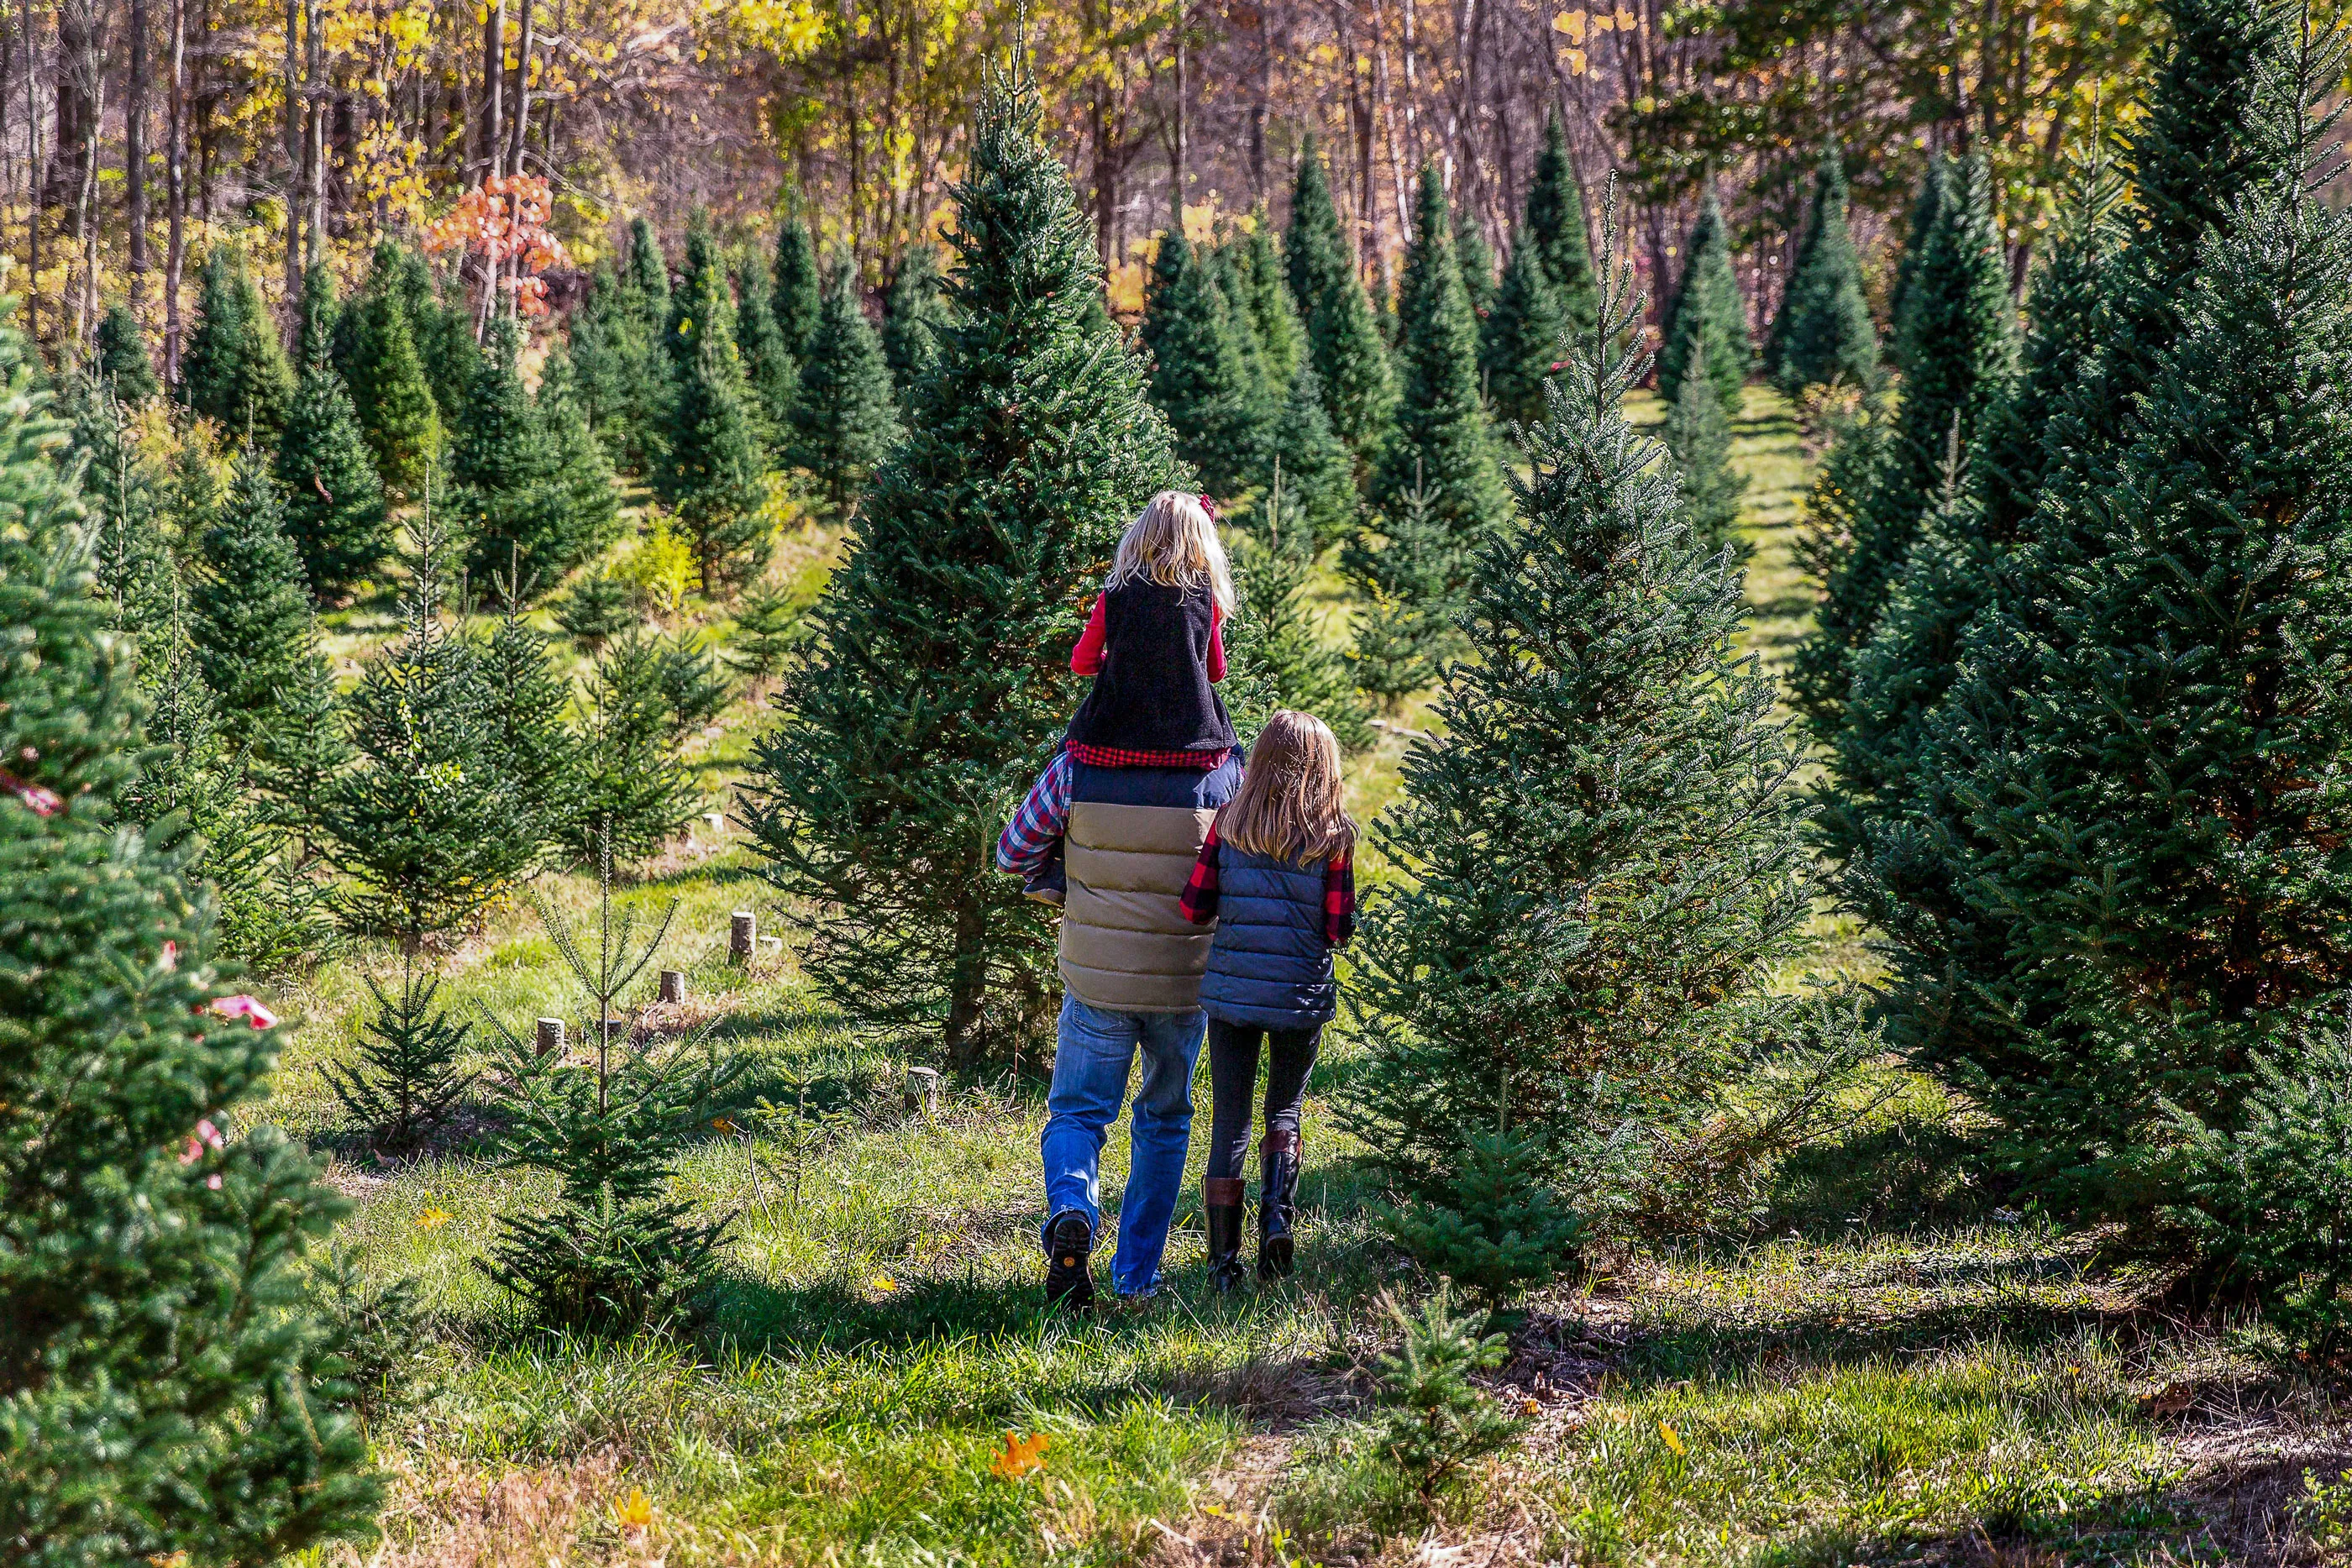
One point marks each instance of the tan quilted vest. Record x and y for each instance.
(1126, 946)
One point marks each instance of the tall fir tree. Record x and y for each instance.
(583, 471)
(1318, 474)
(1278, 635)
(1410, 581)
(844, 419)
(1823, 332)
(424, 826)
(1199, 379)
(1555, 219)
(913, 311)
(798, 295)
(334, 505)
(1520, 339)
(1476, 259)
(234, 371)
(171, 1382)
(1272, 310)
(712, 469)
(616, 348)
(1697, 437)
(648, 273)
(634, 791)
(1960, 359)
(1441, 443)
(524, 735)
(981, 541)
(1605, 864)
(125, 492)
(443, 332)
(249, 613)
(767, 365)
(122, 356)
(502, 495)
(384, 373)
(1926, 215)
(2076, 942)
(1706, 300)
(1343, 337)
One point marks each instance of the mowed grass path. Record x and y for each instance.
(1861, 1389)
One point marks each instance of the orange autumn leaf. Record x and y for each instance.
(634, 1514)
(1020, 1455)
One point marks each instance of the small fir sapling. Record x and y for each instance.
(767, 366)
(234, 372)
(384, 372)
(1822, 334)
(1490, 1222)
(333, 501)
(1316, 471)
(693, 687)
(409, 1072)
(913, 311)
(586, 503)
(1272, 309)
(635, 791)
(1435, 1423)
(1408, 627)
(608, 1119)
(597, 609)
(249, 613)
(770, 627)
(1520, 340)
(798, 295)
(525, 736)
(714, 463)
(1277, 637)
(121, 361)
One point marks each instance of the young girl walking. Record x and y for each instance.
(1277, 874)
(1155, 646)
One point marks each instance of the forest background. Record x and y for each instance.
(134, 131)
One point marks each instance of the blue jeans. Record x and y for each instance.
(1092, 1051)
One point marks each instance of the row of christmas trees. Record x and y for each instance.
(2080, 673)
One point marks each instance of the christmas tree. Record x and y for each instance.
(334, 508)
(1958, 361)
(585, 499)
(1925, 216)
(1343, 337)
(1520, 339)
(2144, 901)
(1556, 222)
(1476, 259)
(232, 370)
(410, 1071)
(1411, 581)
(767, 366)
(939, 676)
(1707, 300)
(616, 1252)
(622, 382)
(385, 377)
(912, 313)
(799, 295)
(1318, 474)
(1199, 379)
(122, 356)
(123, 491)
(1442, 444)
(524, 738)
(297, 758)
(844, 422)
(648, 275)
(598, 608)
(1603, 865)
(444, 335)
(1698, 438)
(424, 825)
(634, 791)
(1823, 332)
(249, 615)
(1273, 312)
(1276, 636)
(502, 500)
(170, 1386)
(712, 467)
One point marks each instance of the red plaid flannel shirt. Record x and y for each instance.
(1199, 902)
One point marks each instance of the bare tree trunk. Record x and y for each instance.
(35, 182)
(90, 89)
(1389, 122)
(494, 81)
(316, 109)
(175, 190)
(134, 153)
(296, 142)
(1176, 148)
(521, 93)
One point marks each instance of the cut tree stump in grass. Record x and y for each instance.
(742, 937)
(550, 1036)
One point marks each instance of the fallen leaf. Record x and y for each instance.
(1020, 1455)
(1673, 1439)
(634, 1514)
(433, 1219)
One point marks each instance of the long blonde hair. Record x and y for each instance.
(1289, 805)
(1174, 543)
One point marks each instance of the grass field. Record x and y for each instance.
(1878, 1374)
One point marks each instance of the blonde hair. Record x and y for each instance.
(1289, 805)
(1174, 543)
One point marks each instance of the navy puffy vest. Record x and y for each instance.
(1270, 967)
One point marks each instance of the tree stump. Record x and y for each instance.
(923, 1091)
(550, 1036)
(673, 985)
(742, 937)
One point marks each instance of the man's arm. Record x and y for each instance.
(1042, 817)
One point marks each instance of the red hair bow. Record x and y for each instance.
(1209, 506)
